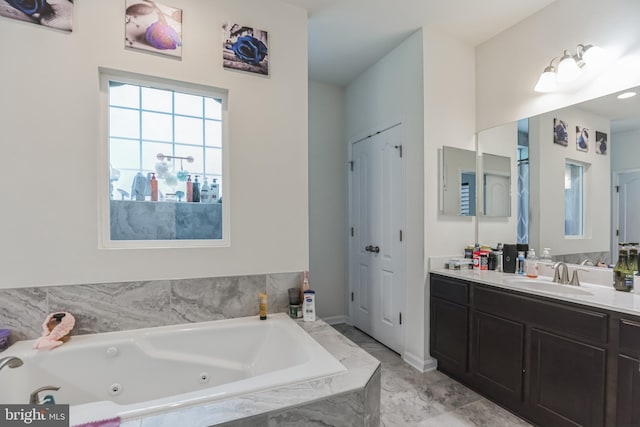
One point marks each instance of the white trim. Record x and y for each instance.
(421, 365)
(104, 237)
(335, 320)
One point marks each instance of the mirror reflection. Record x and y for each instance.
(458, 182)
(496, 185)
(578, 180)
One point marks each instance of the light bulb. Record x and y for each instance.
(548, 81)
(568, 70)
(592, 54)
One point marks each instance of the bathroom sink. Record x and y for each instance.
(545, 285)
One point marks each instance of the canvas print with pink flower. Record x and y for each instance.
(153, 27)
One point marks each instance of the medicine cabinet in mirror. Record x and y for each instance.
(458, 182)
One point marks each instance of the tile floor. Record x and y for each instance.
(432, 399)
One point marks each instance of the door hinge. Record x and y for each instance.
(352, 296)
(617, 232)
(617, 188)
(401, 235)
(351, 165)
(352, 232)
(399, 147)
(400, 318)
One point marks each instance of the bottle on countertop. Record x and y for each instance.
(205, 196)
(499, 257)
(154, 187)
(309, 306)
(196, 191)
(215, 191)
(546, 255)
(622, 275)
(531, 264)
(520, 263)
(189, 189)
(476, 256)
(305, 285)
(633, 257)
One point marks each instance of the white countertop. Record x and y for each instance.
(594, 295)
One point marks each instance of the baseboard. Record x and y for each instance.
(421, 365)
(334, 320)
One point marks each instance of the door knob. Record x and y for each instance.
(371, 248)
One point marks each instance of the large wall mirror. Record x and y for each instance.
(577, 186)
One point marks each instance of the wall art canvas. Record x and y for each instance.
(582, 138)
(153, 27)
(49, 13)
(601, 142)
(245, 49)
(560, 134)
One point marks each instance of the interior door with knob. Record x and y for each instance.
(628, 214)
(376, 254)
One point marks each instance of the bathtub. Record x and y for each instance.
(143, 372)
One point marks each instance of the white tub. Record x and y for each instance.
(147, 371)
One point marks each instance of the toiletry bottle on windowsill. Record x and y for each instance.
(154, 187)
(189, 189)
(205, 197)
(196, 191)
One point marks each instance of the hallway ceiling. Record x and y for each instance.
(348, 36)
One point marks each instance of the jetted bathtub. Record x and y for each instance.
(148, 371)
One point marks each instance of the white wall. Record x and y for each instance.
(625, 151)
(50, 121)
(328, 199)
(547, 162)
(390, 92)
(449, 115)
(508, 65)
(501, 141)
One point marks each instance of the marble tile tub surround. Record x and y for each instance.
(350, 399)
(108, 307)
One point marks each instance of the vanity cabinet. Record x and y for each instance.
(628, 387)
(449, 324)
(544, 359)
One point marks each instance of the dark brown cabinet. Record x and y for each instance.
(449, 325)
(567, 381)
(554, 363)
(497, 357)
(628, 389)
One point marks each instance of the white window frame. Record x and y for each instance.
(104, 241)
(585, 167)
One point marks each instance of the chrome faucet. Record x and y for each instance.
(10, 361)
(588, 261)
(561, 278)
(575, 280)
(34, 399)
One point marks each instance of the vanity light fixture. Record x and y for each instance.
(568, 67)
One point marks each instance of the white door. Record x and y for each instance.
(376, 254)
(497, 200)
(629, 207)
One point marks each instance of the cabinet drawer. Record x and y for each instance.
(449, 289)
(629, 337)
(572, 321)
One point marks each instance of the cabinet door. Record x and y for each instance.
(628, 411)
(448, 335)
(567, 383)
(497, 349)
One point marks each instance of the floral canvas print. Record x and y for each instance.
(582, 138)
(49, 13)
(153, 27)
(601, 142)
(560, 134)
(245, 49)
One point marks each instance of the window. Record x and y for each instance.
(573, 199)
(165, 151)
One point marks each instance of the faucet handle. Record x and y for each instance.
(575, 280)
(34, 399)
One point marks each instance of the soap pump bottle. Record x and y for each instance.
(196, 191)
(532, 264)
(205, 197)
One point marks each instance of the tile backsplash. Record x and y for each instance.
(107, 307)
